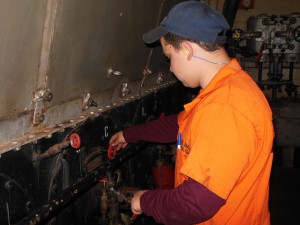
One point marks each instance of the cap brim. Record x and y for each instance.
(154, 35)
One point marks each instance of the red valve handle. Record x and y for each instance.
(133, 218)
(75, 140)
(112, 151)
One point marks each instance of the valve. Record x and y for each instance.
(75, 140)
(124, 198)
(238, 34)
(112, 151)
(296, 34)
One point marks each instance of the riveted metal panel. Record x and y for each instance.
(55, 57)
(21, 26)
(93, 36)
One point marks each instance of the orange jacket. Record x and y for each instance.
(227, 137)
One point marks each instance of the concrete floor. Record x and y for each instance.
(285, 196)
(285, 189)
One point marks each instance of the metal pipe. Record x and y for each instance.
(291, 72)
(260, 66)
(229, 10)
(53, 150)
(48, 33)
(146, 69)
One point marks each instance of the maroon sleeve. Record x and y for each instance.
(189, 203)
(162, 130)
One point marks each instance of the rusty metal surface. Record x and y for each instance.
(92, 37)
(55, 56)
(21, 25)
(17, 131)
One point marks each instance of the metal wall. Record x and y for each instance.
(73, 66)
(63, 61)
(48, 182)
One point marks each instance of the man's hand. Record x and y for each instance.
(118, 140)
(135, 203)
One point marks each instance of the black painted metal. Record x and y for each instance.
(43, 189)
(49, 209)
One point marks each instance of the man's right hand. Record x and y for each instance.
(118, 140)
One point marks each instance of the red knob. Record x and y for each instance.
(75, 140)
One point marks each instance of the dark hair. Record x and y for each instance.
(176, 40)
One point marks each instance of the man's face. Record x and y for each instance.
(178, 62)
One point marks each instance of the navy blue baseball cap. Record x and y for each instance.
(192, 20)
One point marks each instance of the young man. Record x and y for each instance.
(225, 134)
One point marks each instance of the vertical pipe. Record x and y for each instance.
(260, 71)
(48, 33)
(41, 84)
(274, 94)
(151, 51)
(291, 72)
(229, 10)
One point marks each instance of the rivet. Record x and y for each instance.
(39, 118)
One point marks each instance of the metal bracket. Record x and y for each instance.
(88, 102)
(160, 78)
(125, 90)
(39, 98)
(146, 73)
(111, 71)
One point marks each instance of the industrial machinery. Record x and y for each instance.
(275, 41)
(73, 73)
(75, 177)
(271, 44)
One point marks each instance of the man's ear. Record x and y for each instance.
(187, 49)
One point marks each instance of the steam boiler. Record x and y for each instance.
(72, 74)
(75, 72)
